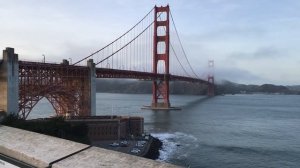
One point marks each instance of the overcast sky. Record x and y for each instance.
(251, 41)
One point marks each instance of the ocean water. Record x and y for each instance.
(223, 131)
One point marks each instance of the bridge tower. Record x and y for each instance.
(211, 79)
(160, 87)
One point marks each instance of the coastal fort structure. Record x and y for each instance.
(111, 127)
(106, 127)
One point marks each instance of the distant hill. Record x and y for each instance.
(143, 87)
(269, 88)
(294, 88)
(227, 87)
(179, 87)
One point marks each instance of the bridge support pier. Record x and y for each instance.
(9, 82)
(92, 78)
(211, 86)
(211, 79)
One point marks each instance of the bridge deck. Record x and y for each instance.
(114, 73)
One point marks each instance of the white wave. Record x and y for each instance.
(186, 136)
(175, 145)
(168, 147)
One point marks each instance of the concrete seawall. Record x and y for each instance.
(41, 150)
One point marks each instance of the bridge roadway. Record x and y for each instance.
(38, 150)
(112, 73)
(115, 73)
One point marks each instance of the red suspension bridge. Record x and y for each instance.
(146, 51)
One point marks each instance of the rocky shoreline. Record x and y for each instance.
(153, 149)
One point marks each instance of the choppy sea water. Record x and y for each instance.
(223, 131)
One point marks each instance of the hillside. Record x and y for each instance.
(226, 87)
(294, 88)
(143, 87)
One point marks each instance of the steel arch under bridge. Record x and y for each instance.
(66, 87)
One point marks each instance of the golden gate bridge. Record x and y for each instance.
(150, 50)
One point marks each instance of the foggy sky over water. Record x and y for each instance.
(250, 41)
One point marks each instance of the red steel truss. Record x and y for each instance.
(66, 87)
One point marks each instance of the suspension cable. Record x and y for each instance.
(176, 55)
(115, 39)
(178, 60)
(184, 53)
(125, 44)
(129, 41)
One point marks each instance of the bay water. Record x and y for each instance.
(222, 131)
